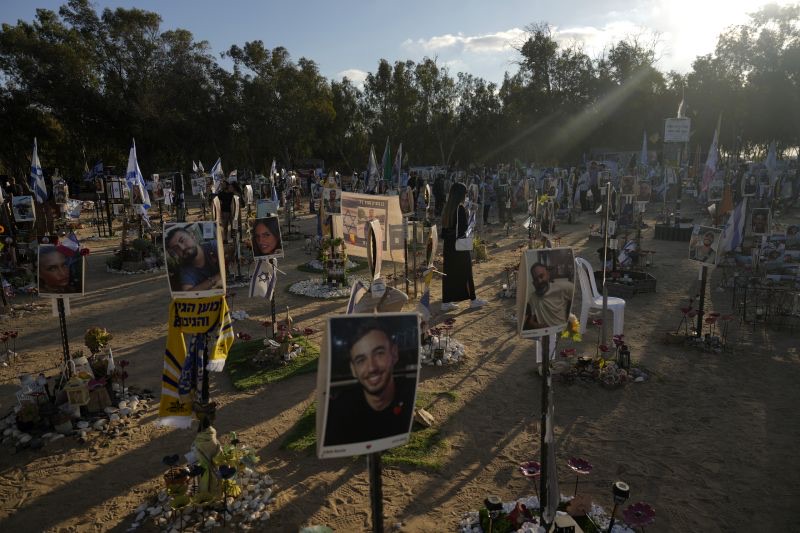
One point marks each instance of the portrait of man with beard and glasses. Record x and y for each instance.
(550, 283)
(195, 264)
(372, 380)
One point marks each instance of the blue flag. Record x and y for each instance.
(217, 175)
(37, 176)
(135, 182)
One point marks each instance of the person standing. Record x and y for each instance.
(487, 195)
(457, 284)
(225, 202)
(594, 184)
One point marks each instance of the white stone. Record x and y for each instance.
(155, 510)
(57, 436)
(113, 417)
(141, 508)
(210, 522)
(123, 404)
(125, 411)
(265, 515)
(82, 424)
(25, 438)
(100, 424)
(140, 516)
(109, 410)
(47, 435)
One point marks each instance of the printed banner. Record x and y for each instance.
(208, 321)
(357, 210)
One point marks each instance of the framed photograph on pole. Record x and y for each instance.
(60, 271)
(266, 238)
(545, 290)
(195, 261)
(367, 383)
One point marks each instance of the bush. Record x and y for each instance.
(114, 262)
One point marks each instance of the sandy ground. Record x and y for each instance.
(709, 441)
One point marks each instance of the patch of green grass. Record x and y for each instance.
(247, 375)
(360, 265)
(426, 448)
(303, 434)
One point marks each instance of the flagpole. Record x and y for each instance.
(62, 321)
(544, 486)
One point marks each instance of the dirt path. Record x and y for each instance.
(708, 441)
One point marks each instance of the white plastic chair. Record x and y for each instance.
(592, 299)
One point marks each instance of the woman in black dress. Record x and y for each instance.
(457, 284)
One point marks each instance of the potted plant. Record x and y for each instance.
(96, 339)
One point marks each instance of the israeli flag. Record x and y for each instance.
(38, 185)
(135, 181)
(262, 284)
(217, 175)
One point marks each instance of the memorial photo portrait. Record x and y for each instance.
(545, 292)
(703, 244)
(195, 262)
(371, 382)
(266, 238)
(60, 271)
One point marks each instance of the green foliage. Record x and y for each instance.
(177, 101)
(303, 434)
(246, 375)
(114, 262)
(426, 448)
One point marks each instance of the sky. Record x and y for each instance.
(349, 37)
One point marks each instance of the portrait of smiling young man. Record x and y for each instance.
(375, 398)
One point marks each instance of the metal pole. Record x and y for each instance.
(415, 258)
(405, 251)
(375, 491)
(703, 281)
(605, 261)
(62, 320)
(543, 445)
(272, 312)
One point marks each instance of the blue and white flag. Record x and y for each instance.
(70, 246)
(217, 175)
(97, 170)
(194, 167)
(38, 186)
(772, 164)
(200, 166)
(262, 284)
(135, 181)
(733, 231)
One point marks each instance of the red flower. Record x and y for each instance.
(13, 334)
(308, 331)
(579, 466)
(639, 514)
(530, 469)
(84, 252)
(597, 321)
(603, 348)
(567, 352)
